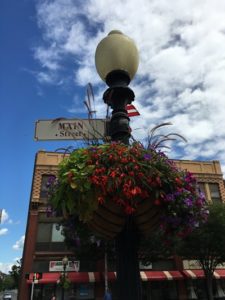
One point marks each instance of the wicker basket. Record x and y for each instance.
(108, 220)
(147, 217)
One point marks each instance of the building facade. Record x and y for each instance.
(44, 247)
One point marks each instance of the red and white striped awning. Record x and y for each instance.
(77, 277)
(153, 275)
(160, 275)
(199, 274)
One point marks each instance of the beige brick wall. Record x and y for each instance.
(205, 171)
(200, 167)
(46, 164)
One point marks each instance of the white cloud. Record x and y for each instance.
(3, 231)
(19, 244)
(5, 217)
(48, 57)
(77, 108)
(5, 267)
(182, 67)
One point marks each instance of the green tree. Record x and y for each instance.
(15, 273)
(8, 283)
(206, 244)
(1, 281)
(156, 247)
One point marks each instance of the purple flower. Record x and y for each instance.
(77, 241)
(51, 181)
(188, 202)
(49, 211)
(169, 198)
(98, 242)
(147, 156)
(92, 239)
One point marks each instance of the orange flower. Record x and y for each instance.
(113, 174)
(178, 181)
(129, 210)
(70, 176)
(101, 200)
(135, 191)
(157, 202)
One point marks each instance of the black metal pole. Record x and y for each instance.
(118, 95)
(62, 293)
(64, 276)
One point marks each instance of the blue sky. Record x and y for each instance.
(47, 59)
(23, 101)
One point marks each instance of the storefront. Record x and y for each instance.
(82, 286)
(160, 285)
(195, 282)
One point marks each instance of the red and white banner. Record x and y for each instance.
(57, 266)
(132, 111)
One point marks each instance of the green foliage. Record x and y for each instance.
(64, 281)
(155, 247)
(8, 283)
(11, 281)
(80, 239)
(207, 243)
(1, 283)
(15, 273)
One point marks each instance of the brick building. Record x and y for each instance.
(44, 246)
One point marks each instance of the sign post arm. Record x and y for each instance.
(32, 290)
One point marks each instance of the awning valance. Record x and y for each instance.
(160, 275)
(76, 277)
(153, 275)
(199, 274)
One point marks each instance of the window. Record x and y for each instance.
(57, 235)
(50, 237)
(161, 290)
(44, 232)
(211, 191)
(40, 266)
(163, 265)
(49, 232)
(214, 192)
(201, 186)
(45, 181)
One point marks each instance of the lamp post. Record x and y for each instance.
(116, 60)
(64, 263)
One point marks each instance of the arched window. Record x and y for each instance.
(46, 181)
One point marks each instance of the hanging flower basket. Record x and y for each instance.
(104, 184)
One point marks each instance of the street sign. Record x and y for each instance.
(57, 266)
(66, 129)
